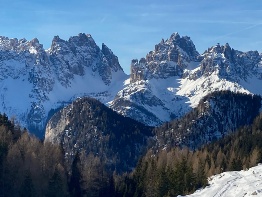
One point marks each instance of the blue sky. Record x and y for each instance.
(132, 28)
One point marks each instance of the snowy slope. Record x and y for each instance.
(232, 184)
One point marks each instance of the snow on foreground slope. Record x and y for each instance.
(232, 184)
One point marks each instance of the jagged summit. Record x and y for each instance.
(169, 59)
(47, 79)
(150, 95)
(228, 63)
(22, 45)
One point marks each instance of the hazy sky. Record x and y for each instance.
(132, 28)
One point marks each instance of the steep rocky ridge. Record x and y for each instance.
(169, 59)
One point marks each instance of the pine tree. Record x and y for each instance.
(163, 182)
(201, 175)
(27, 188)
(56, 186)
(76, 177)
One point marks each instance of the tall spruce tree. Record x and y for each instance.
(76, 177)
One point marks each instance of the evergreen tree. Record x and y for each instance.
(76, 177)
(201, 178)
(56, 186)
(27, 189)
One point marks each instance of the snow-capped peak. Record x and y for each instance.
(33, 80)
(174, 78)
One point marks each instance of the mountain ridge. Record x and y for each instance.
(164, 85)
(45, 79)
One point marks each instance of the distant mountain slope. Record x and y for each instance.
(216, 115)
(33, 81)
(235, 183)
(88, 125)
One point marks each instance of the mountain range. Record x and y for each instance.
(165, 85)
(146, 131)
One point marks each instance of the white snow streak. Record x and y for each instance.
(233, 184)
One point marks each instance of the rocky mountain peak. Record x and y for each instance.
(174, 36)
(169, 59)
(34, 42)
(83, 40)
(229, 63)
(219, 49)
(48, 78)
(79, 55)
(35, 47)
(55, 40)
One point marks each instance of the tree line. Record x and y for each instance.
(30, 167)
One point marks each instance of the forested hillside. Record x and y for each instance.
(181, 171)
(30, 167)
(88, 126)
(217, 114)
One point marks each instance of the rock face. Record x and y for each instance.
(33, 80)
(169, 59)
(88, 125)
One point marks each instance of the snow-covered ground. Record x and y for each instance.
(233, 184)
